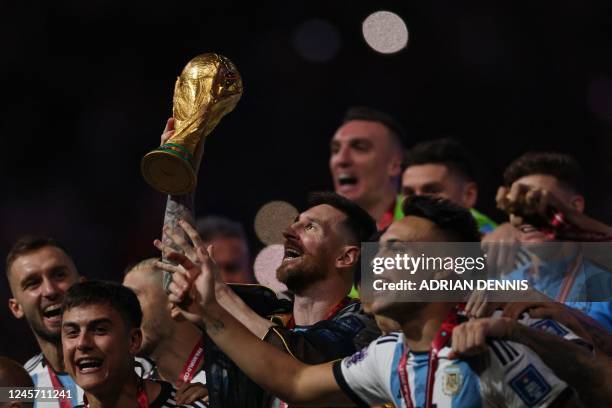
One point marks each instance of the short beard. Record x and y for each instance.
(44, 334)
(298, 278)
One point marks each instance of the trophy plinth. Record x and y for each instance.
(169, 171)
(208, 88)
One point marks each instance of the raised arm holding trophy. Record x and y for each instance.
(208, 88)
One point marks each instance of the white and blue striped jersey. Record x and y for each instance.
(509, 375)
(38, 370)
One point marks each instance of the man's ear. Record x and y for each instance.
(470, 194)
(15, 308)
(395, 165)
(577, 202)
(82, 279)
(135, 340)
(349, 257)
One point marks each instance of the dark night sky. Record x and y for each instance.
(87, 87)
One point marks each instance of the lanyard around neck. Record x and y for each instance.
(440, 340)
(58, 386)
(193, 362)
(330, 313)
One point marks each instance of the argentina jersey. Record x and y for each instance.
(39, 371)
(508, 375)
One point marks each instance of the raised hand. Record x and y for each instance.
(522, 201)
(178, 242)
(192, 287)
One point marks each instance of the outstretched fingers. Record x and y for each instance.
(191, 233)
(180, 242)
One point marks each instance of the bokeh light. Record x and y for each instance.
(266, 263)
(385, 32)
(272, 219)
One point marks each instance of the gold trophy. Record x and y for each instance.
(209, 87)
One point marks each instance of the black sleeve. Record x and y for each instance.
(327, 340)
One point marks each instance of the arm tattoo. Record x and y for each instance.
(214, 326)
(177, 208)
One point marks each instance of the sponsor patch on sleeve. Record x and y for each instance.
(550, 326)
(530, 386)
(355, 358)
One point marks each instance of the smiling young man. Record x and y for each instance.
(100, 337)
(366, 162)
(40, 272)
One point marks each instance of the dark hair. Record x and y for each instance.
(29, 243)
(446, 151)
(373, 115)
(12, 374)
(561, 166)
(117, 296)
(361, 225)
(448, 216)
(358, 221)
(212, 227)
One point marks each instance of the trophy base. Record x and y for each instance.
(168, 171)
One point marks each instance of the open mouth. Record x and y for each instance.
(87, 365)
(52, 312)
(527, 228)
(347, 179)
(292, 251)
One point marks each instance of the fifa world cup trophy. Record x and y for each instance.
(208, 88)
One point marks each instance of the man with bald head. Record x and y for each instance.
(172, 344)
(366, 162)
(13, 375)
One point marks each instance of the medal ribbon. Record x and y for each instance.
(440, 340)
(58, 386)
(570, 278)
(193, 361)
(331, 313)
